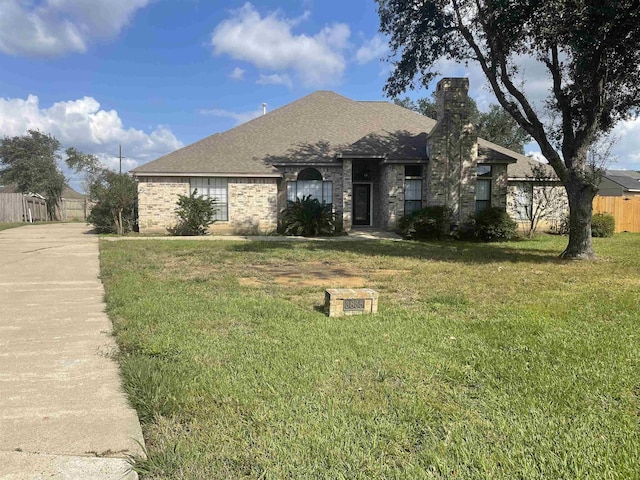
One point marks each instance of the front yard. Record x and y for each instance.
(485, 361)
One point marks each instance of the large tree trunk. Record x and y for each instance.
(580, 194)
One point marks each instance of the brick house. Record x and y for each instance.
(373, 161)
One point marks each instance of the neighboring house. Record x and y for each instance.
(536, 198)
(620, 183)
(372, 161)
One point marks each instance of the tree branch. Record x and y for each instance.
(531, 123)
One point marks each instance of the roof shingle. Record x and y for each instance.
(314, 128)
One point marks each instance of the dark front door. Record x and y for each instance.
(361, 204)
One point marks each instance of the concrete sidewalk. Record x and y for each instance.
(63, 413)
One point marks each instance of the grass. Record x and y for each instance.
(8, 225)
(485, 361)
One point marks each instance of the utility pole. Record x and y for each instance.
(120, 158)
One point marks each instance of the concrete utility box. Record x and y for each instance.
(350, 301)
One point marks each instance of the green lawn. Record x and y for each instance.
(7, 226)
(485, 361)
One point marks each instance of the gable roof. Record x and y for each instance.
(313, 129)
(524, 167)
(627, 179)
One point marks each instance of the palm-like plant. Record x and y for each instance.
(308, 217)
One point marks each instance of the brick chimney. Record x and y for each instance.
(453, 151)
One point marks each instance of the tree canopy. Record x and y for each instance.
(31, 162)
(590, 50)
(496, 125)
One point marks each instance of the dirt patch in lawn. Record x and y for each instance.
(315, 274)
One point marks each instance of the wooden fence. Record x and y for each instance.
(626, 211)
(15, 207)
(74, 209)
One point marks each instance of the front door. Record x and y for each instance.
(361, 204)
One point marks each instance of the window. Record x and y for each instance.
(523, 200)
(483, 187)
(310, 183)
(412, 188)
(215, 188)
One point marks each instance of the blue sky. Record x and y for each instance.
(154, 75)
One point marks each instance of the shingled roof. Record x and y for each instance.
(313, 129)
(627, 179)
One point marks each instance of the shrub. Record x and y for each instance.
(429, 223)
(308, 217)
(493, 225)
(116, 207)
(602, 225)
(195, 214)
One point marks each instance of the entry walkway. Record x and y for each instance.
(63, 413)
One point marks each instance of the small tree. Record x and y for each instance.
(116, 207)
(115, 194)
(195, 213)
(543, 200)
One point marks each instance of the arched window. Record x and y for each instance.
(309, 174)
(310, 183)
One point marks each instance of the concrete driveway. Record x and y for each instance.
(63, 413)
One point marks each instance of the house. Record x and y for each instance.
(620, 183)
(372, 161)
(536, 199)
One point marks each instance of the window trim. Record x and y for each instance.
(293, 186)
(415, 178)
(222, 213)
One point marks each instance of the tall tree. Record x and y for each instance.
(591, 52)
(31, 162)
(499, 127)
(496, 125)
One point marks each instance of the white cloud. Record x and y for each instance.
(372, 50)
(269, 44)
(275, 79)
(82, 124)
(627, 149)
(237, 74)
(239, 117)
(54, 27)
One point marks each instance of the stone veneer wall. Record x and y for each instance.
(157, 197)
(347, 194)
(391, 196)
(453, 151)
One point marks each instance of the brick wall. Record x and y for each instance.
(329, 174)
(252, 204)
(157, 197)
(253, 207)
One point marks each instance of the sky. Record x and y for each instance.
(156, 75)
